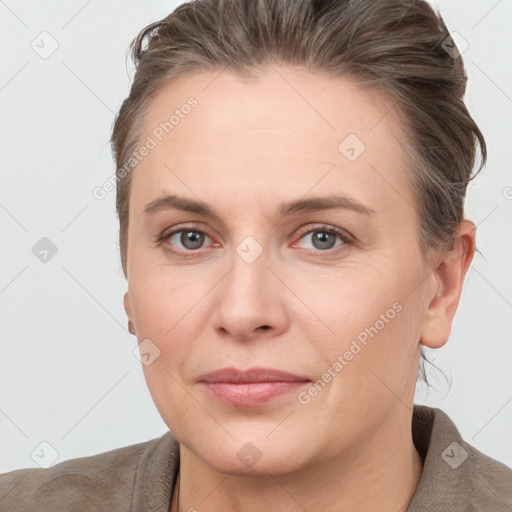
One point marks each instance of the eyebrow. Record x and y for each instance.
(297, 207)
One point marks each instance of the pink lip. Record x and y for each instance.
(250, 388)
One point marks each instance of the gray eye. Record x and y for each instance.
(323, 239)
(190, 239)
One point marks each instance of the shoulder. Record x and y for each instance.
(99, 482)
(489, 481)
(456, 476)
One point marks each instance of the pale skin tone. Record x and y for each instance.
(247, 147)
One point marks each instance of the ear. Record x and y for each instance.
(449, 274)
(128, 310)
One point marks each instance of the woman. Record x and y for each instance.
(290, 179)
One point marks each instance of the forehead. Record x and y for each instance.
(291, 100)
(287, 127)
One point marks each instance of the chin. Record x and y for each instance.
(248, 454)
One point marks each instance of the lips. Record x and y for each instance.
(250, 388)
(236, 376)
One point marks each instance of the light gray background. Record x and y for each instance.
(68, 373)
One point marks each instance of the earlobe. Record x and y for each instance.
(128, 310)
(449, 275)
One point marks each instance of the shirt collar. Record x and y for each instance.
(443, 483)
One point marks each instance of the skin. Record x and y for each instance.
(246, 147)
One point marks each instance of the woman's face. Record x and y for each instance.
(336, 296)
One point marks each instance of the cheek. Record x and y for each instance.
(164, 313)
(171, 310)
(374, 323)
(352, 303)
(161, 300)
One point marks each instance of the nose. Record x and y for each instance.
(251, 300)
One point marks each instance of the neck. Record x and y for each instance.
(383, 471)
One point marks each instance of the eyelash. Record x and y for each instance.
(344, 236)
